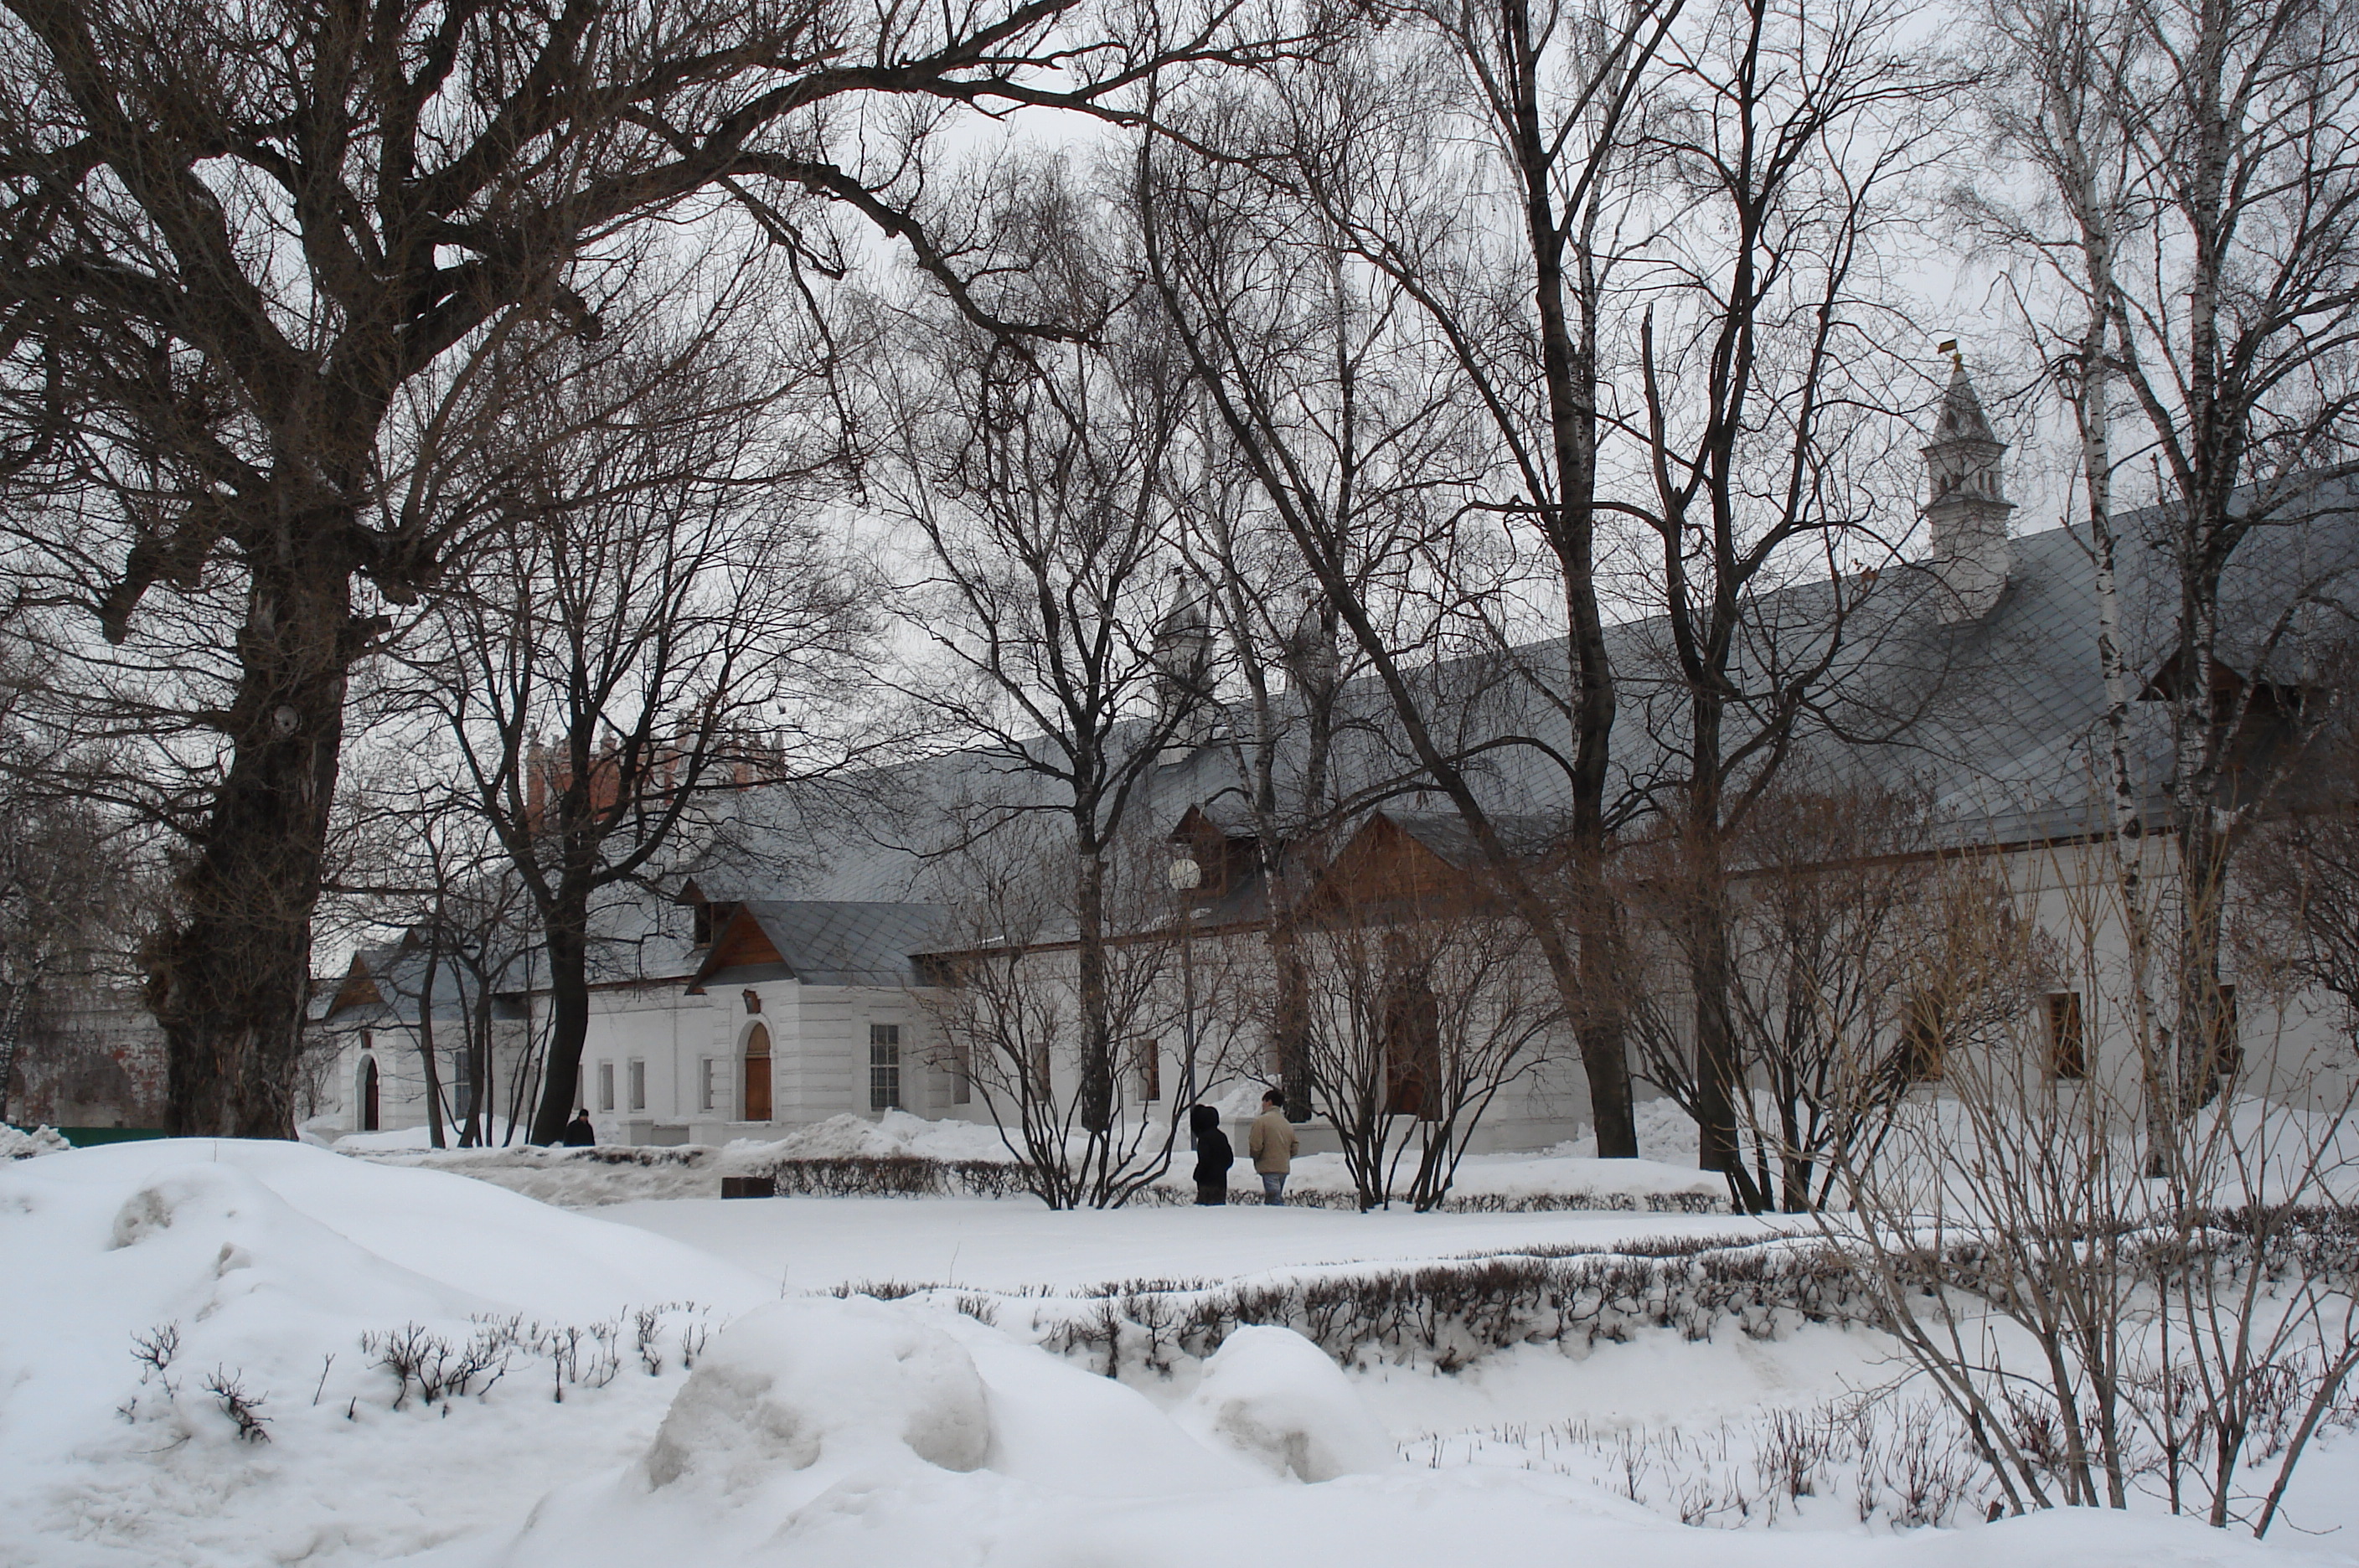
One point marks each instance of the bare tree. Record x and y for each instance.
(1410, 161)
(1066, 648)
(1771, 397)
(1019, 1029)
(2202, 165)
(419, 858)
(2294, 915)
(1425, 1006)
(1362, 434)
(1823, 897)
(659, 620)
(256, 253)
(71, 916)
(2093, 1327)
(2051, 102)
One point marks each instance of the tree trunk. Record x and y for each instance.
(568, 945)
(1290, 1023)
(434, 1137)
(231, 979)
(1096, 1103)
(1568, 373)
(12, 1031)
(1719, 1072)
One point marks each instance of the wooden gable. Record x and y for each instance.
(358, 989)
(741, 942)
(1228, 860)
(1385, 865)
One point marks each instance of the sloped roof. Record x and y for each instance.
(837, 941)
(388, 984)
(1993, 718)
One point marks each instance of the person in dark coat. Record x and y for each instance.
(1213, 1155)
(578, 1133)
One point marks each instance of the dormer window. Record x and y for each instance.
(710, 919)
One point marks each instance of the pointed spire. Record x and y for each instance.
(1961, 408)
(1183, 641)
(1966, 505)
(1182, 655)
(1310, 655)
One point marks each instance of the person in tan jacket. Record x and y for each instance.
(1272, 1143)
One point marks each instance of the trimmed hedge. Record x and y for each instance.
(1446, 1315)
(917, 1176)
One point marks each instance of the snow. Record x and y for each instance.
(1568, 1176)
(792, 1382)
(813, 1244)
(20, 1143)
(418, 1138)
(1274, 1396)
(891, 1134)
(819, 1431)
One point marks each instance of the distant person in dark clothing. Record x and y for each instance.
(1213, 1155)
(578, 1133)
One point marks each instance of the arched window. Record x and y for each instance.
(756, 1096)
(370, 1112)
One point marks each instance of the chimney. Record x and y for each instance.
(1965, 508)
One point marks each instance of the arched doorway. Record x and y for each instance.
(370, 1112)
(756, 1096)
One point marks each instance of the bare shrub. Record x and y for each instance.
(242, 1408)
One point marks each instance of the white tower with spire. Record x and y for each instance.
(1965, 508)
(1182, 655)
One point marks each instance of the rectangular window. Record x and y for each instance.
(2068, 1041)
(605, 1085)
(884, 1067)
(962, 1074)
(638, 1085)
(708, 1086)
(1149, 1063)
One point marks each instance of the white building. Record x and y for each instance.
(786, 987)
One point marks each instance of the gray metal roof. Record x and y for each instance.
(836, 943)
(1993, 719)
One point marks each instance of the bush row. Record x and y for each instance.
(916, 1176)
(1449, 1314)
(1445, 1315)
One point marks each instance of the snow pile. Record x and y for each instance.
(574, 1178)
(789, 1382)
(1666, 1134)
(417, 1137)
(1551, 1178)
(156, 1290)
(843, 1434)
(1275, 1396)
(895, 1133)
(156, 1286)
(16, 1143)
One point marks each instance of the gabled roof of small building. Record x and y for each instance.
(387, 985)
(821, 942)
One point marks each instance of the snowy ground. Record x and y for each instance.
(814, 1244)
(1568, 1176)
(817, 1432)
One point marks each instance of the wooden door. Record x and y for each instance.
(756, 1096)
